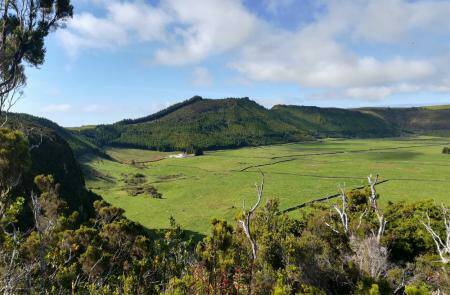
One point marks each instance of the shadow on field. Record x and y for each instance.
(394, 156)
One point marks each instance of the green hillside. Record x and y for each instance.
(51, 151)
(200, 123)
(76, 141)
(235, 122)
(334, 122)
(414, 119)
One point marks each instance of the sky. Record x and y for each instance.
(119, 59)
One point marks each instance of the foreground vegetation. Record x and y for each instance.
(197, 189)
(354, 248)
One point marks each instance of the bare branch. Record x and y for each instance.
(247, 217)
(374, 204)
(442, 247)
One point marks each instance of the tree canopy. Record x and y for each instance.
(23, 26)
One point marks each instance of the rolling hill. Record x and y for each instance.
(235, 122)
(76, 141)
(334, 122)
(414, 119)
(200, 123)
(52, 153)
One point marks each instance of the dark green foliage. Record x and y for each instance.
(200, 124)
(24, 26)
(446, 150)
(51, 155)
(405, 233)
(413, 119)
(136, 185)
(333, 122)
(79, 145)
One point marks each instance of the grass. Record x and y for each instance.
(216, 185)
(138, 156)
(438, 107)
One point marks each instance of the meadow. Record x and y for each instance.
(219, 183)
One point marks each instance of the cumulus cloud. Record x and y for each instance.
(337, 51)
(206, 27)
(319, 55)
(123, 21)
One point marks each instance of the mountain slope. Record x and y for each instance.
(200, 123)
(333, 122)
(414, 119)
(76, 141)
(234, 122)
(52, 155)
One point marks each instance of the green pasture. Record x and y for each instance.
(220, 183)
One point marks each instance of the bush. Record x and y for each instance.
(446, 150)
(198, 152)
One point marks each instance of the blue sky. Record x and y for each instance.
(128, 58)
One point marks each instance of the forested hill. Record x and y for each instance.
(199, 123)
(234, 122)
(78, 144)
(51, 152)
(334, 122)
(414, 119)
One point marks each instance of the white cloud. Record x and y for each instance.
(201, 76)
(204, 28)
(319, 55)
(123, 21)
(336, 52)
(393, 20)
(57, 108)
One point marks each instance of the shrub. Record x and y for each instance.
(446, 150)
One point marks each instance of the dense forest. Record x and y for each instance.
(58, 238)
(200, 123)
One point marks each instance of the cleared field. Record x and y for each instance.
(216, 185)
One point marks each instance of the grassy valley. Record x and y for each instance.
(198, 189)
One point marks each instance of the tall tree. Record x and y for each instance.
(23, 26)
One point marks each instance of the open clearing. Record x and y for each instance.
(216, 185)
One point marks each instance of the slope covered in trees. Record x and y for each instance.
(234, 122)
(201, 123)
(51, 154)
(334, 122)
(76, 141)
(414, 119)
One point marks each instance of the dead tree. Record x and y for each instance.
(245, 223)
(374, 204)
(342, 212)
(442, 246)
(367, 252)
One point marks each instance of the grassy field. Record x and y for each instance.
(197, 189)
